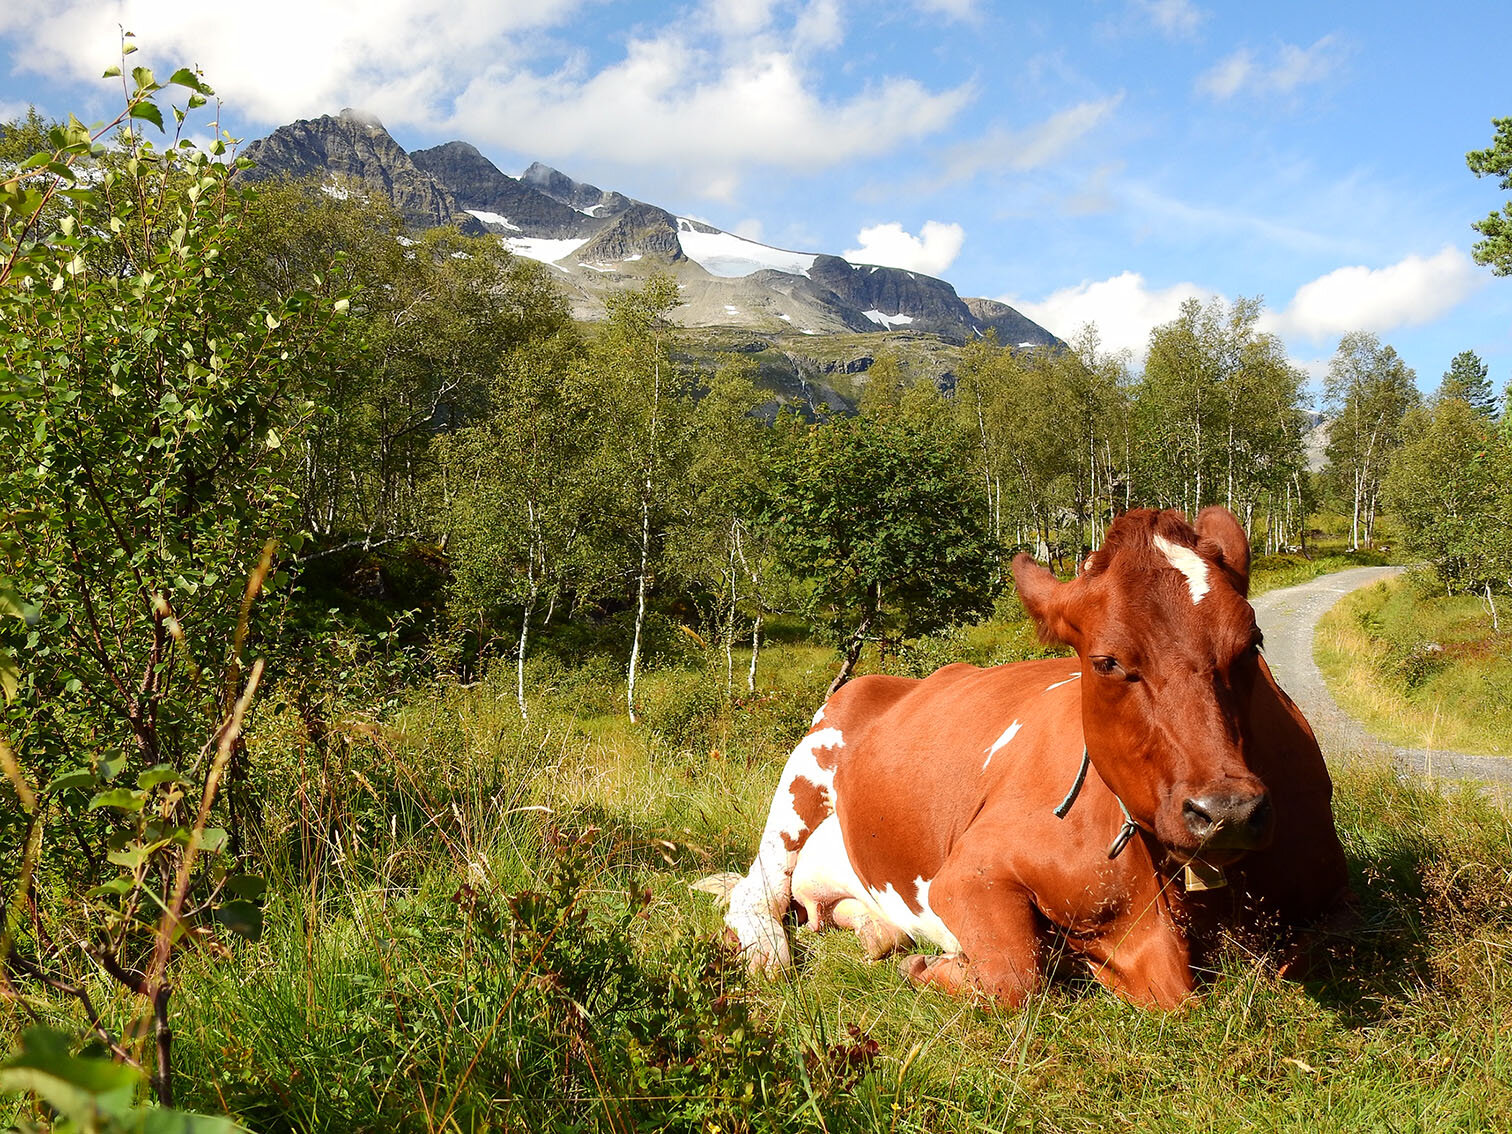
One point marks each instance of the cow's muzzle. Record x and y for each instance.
(1233, 821)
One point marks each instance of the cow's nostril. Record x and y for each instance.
(1199, 818)
(1230, 821)
(1259, 820)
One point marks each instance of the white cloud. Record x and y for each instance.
(1031, 148)
(1411, 292)
(1414, 291)
(1291, 68)
(1178, 19)
(931, 252)
(1125, 309)
(710, 107)
(750, 228)
(954, 9)
(819, 26)
(739, 17)
(397, 52)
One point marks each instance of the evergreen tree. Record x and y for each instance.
(1468, 379)
(1495, 161)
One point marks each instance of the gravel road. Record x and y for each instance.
(1289, 618)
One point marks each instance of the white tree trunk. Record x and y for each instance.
(755, 653)
(640, 600)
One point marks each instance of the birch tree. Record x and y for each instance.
(1366, 393)
(643, 447)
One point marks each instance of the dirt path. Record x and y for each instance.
(1289, 618)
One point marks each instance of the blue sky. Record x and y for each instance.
(1096, 160)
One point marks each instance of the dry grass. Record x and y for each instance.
(1419, 668)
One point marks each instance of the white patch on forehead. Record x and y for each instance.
(925, 925)
(1008, 734)
(1068, 681)
(1189, 563)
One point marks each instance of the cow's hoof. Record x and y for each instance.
(914, 966)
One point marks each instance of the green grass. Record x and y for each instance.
(1420, 668)
(397, 986)
(1272, 572)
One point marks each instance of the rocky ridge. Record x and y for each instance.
(598, 241)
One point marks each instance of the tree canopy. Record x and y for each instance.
(1495, 160)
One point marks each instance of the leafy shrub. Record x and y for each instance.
(682, 705)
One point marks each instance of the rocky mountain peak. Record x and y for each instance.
(364, 118)
(640, 230)
(481, 187)
(587, 199)
(355, 150)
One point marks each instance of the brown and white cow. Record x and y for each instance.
(943, 809)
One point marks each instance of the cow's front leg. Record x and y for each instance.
(1146, 960)
(999, 941)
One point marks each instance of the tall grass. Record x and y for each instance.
(481, 923)
(1419, 667)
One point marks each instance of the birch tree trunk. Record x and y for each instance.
(755, 653)
(640, 601)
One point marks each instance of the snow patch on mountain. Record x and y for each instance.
(495, 218)
(731, 256)
(540, 248)
(888, 321)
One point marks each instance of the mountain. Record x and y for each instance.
(587, 199)
(504, 205)
(354, 151)
(598, 241)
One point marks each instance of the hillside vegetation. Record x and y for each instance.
(1421, 668)
(382, 654)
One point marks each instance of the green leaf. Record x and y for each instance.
(184, 77)
(160, 774)
(82, 1090)
(77, 778)
(10, 675)
(131, 859)
(112, 72)
(239, 917)
(122, 799)
(247, 886)
(148, 112)
(213, 839)
(114, 888)
(162, 1120)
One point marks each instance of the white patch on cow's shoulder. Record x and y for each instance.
(803, 764)
(1189, 563)
(818, 716)
(1068, 681)
(1008, 734)
(925, 925)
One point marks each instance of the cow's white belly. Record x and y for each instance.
(824, 876)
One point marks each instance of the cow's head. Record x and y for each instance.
(1170, 658)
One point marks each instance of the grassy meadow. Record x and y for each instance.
(1421, 668)
(476, 922)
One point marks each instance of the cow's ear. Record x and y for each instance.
(1045, 599)
(1222, 538)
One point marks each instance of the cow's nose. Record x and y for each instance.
(1229, 822)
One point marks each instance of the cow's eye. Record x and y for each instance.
(1109, 667)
